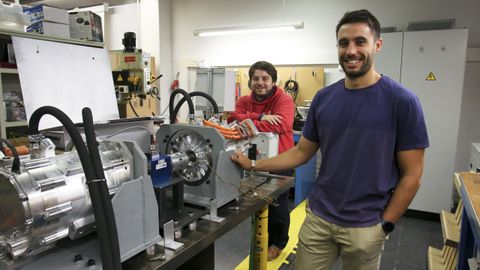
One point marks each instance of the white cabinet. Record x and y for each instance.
(389, 61)
(433, 66)
(219, 83)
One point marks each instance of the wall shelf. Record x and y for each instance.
(9, 82)
(8, 34)
(16, 123)
(8, 70)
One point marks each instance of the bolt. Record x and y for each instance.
(151, 250)
(192, 226)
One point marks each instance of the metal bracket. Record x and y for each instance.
(169, 237)
(213, 213)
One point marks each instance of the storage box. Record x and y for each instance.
(12, 17)
(85, 25)
(47, 13)
(50, 29)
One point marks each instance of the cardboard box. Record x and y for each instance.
(50, 29)
(85, 25)
(47, 13)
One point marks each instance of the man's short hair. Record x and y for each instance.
(361, 16)
(265, 66)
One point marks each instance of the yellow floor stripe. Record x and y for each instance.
(296, 220)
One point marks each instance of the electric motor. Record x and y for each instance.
(49, 199)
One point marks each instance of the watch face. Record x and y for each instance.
(388, 227)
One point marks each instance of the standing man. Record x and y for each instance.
(372, 135)
(271, 110)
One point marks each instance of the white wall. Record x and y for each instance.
(164, 61)
(118, 20)
(313, 44)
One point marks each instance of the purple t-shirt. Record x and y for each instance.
(359, 133)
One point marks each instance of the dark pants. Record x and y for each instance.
(279, 220)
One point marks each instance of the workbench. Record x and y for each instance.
(198, 251)
(470, 228)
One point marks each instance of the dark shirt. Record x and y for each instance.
(359, 133)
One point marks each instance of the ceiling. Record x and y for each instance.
(69, 4)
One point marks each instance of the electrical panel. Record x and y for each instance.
(431, 64)
(218, 83)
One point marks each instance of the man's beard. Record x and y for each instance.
(366, 66)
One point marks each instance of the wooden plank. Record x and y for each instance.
(457, 183)
(471, 182)
(435, 260)
(450, 229)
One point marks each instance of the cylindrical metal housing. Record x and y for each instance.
(49, 199)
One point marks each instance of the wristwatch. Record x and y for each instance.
(387, 226)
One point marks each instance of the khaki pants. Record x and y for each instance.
(321, 242)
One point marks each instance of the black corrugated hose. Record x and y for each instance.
(191, 110)
(16, 158)
(193, 94)
(94, 190)
(92, 145)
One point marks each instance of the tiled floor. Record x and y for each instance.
(406, 248)
(408, 245)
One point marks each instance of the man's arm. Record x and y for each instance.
(411, 167)
(241, 113)
(289, 159)
(281, 118)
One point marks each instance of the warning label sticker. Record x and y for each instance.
(431, 77)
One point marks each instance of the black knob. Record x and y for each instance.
(91, 262)
(78, 258)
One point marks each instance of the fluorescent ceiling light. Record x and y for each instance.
(231, 30)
